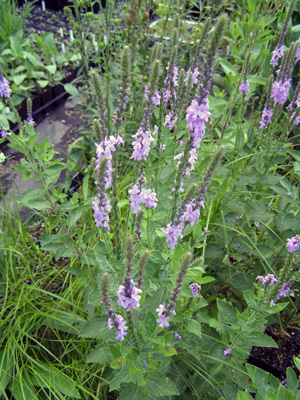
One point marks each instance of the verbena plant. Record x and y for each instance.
(184, 236)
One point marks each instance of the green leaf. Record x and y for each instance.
(292, 379)
(284, 394)
(213, 251)
(227, 313)
(170, 352)
(227, 67)
(297, 362)
(159, 385)
(100, 354)
(51, 68)
(55, 380)
(6, 365)
(42, 82)
(122, 376)
(35, 199)
(72, 90)
(193, 327)
(97, 329)
(18, 79)
(286, 221)
(16, 47)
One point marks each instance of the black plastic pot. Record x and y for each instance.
(266, 367)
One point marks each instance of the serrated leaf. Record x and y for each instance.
(292, 380)
(227, 314)
(213, 251)
(96, 329)
(101, 354)
(158, 386)
(121, 377)
(193, 327)
(286, 221)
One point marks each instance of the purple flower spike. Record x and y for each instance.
(283, 292)
(280, 91)
(5, 90)
(266, 117)
(245, 87)
(163, 321)
(119, 323)
(268, 280)
(129, 298)
(197, 115)
(195, 287)
(277, 54)
(293, 244)
(227, 352)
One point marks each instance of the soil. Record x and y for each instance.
(279, 359)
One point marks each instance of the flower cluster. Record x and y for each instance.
(101, 203)
(266, 117)
(114, 320)
(118, 322)
(245, 87)
(276, 55)
(105, 149)
(129, 297)
(280, 91)
(4, 134)
(197, 115)
(140, 196)
(195, 287)
(293, 244)
(141, 144)
(163, 311)
(5, 90)
(284, 290)
(268, 280)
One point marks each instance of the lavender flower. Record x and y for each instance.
(268, 280)
(197, 115)
(114, 320)
(280, 91)
(129, 297)
(194, 73)
(105, 149)
(277, 54)
(141, 144)
(143, 137)
(272, 303)
(118, 322)
(174, 233)
(5, 90)
(266, 117)
(4, 134)
(140, 196)
(101, 208)
(227, 352)
(195, 287)
(245, 87)
(164, 312)
(170, 120)
(156, 98)
(293, 244)
(177, 336)
(283, 292)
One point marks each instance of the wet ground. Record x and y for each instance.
(61, 126)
